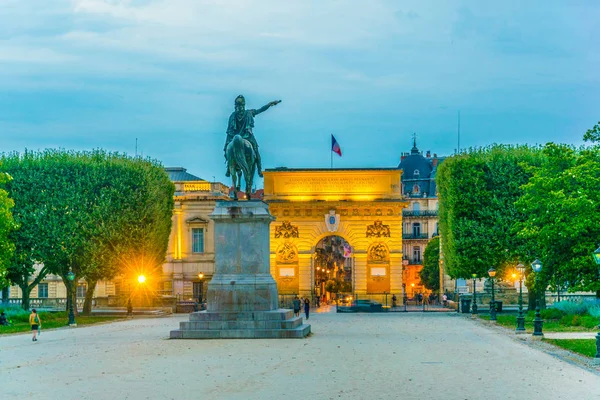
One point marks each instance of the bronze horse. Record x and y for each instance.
(241, 159)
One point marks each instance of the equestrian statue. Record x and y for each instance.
(241, 149)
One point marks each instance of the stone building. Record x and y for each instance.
(190, 261)
(421, 216)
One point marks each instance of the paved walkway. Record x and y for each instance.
(350, 356)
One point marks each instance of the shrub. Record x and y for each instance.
(570, 307)
(594, 311)
(589, 322)
(552, 313)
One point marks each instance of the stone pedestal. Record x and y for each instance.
(242, 295)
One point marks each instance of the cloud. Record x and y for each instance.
(103, 72)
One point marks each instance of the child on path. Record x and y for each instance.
(296, 306)
(35, 322)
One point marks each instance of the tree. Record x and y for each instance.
(561, 203)
(593, 134)
(92, 213)
(7, 225)
(430, 273)
(477, 191)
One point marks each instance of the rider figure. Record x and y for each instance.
(241, 123)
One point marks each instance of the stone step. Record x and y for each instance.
(230, 325)
(296, 333)
(280, 314)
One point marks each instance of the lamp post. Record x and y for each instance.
(597, 357)
(521, 318)
(70, 278)
(492, 274)
(474, 307)
(537, 322)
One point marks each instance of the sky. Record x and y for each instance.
(85, 74)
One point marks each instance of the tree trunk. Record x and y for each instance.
(25, 296)
(5, 295)
(89, 296)
(71, 295)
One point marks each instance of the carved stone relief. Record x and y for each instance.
(378, 229)
(286, 230)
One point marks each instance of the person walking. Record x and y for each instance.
(296, 304)
(394, 301)
(35, 322)
(306, 307)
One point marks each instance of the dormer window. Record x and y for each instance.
(416, 189)
(416, 173)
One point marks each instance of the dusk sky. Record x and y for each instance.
(84, 74)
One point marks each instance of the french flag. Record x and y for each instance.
(335, 146)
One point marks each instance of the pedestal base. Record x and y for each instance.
(275, 324)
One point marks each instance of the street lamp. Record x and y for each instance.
(596, 255)
(521, 318)
(474, 308)
(537, 322)
(141, 279)
(70, 278)
(492, 274)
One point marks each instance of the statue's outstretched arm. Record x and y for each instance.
(267, 106)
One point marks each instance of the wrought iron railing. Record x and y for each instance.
(415, 236)
(419, 213)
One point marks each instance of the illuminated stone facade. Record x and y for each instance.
(363, 206)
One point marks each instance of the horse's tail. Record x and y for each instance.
(239, 154)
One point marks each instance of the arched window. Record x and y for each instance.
(416, 173)
(416, 189)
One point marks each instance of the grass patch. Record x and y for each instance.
(510, 321)
(54, 320)
(586, 347)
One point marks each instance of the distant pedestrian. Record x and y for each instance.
(3, 319)
(296, 304)
(445, 299)
(318, 301)
(35, 322)
(394, 300)
(306, 307)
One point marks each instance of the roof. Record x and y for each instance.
(180, 174)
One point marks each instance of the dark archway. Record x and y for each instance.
(333, 272)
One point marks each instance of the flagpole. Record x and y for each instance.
(331, 151)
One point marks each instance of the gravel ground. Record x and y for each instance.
(348, 356)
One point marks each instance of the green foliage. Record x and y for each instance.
(561, 227)
(586, 347)
(7, 225)
(430, 273)
(332, 286)
(97, 213)
(593, 134)
(551, 313)
(477, 191)
(571, 307)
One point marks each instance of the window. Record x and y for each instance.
(416, 173)
(43, 290)
(416, 206)
(417, 253)
(416, 229)
(81, 290)
(416, 189)
(197, 240)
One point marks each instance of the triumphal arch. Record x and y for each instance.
(336, 227)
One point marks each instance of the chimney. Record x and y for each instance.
(434, 162)
(402, 156)
(428, 154)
